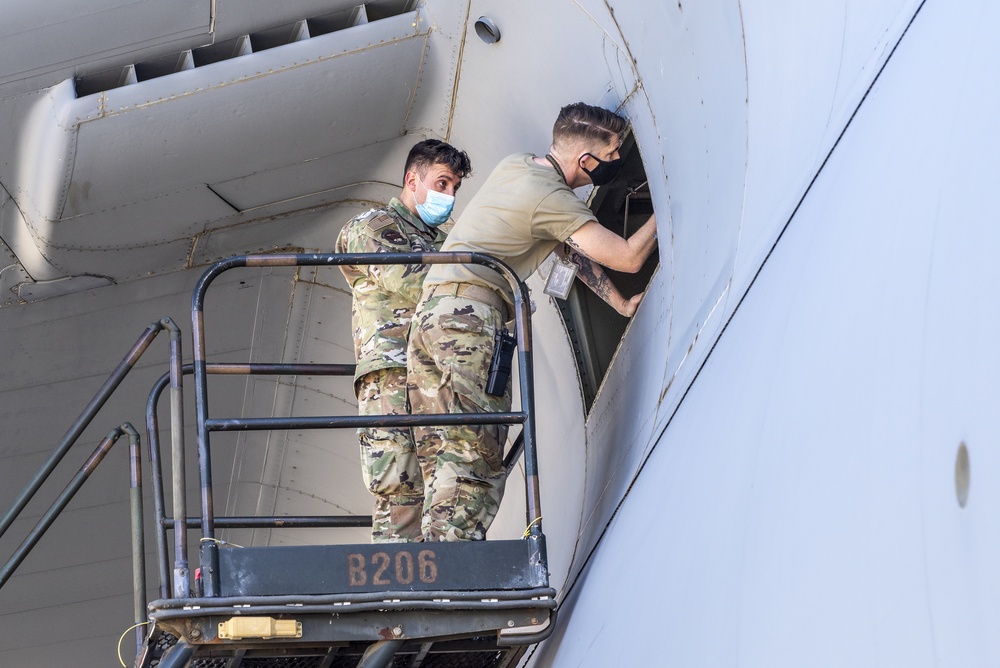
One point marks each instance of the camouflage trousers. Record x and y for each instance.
(388, 461)
(448, 358)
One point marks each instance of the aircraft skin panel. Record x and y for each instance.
(699, 181)
(838, 48)
(445, 23)
(259, 193)
(311, 228)
(37, 51)
(239, 118)
(35, 169)
(240, 17)
(87, 637)
(700, 215)
(247, 96)
(819, 523)
(48, 39)
(545, 80)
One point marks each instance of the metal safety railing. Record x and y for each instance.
(179, 521)
(167, 523)
(205, 424)
(69, 439)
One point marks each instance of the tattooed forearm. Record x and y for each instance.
(590, 272)
(573, 247)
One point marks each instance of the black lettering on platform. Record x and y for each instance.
(406, 568)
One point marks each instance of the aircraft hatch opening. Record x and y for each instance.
(594, 327)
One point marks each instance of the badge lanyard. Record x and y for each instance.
(563, 271)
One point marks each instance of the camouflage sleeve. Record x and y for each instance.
(347, 242)
(404, 279)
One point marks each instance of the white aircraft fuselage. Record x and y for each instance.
(786, 462)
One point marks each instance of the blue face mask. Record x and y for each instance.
(436, 208)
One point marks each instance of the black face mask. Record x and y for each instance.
(605, 172)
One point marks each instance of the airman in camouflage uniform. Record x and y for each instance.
(384, 298)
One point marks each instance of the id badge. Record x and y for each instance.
(560, 278)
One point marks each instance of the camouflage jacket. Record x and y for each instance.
(385, 296)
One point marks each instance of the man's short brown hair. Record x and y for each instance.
(436, 152)
(581, 121)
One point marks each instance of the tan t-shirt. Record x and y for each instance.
(520, 214)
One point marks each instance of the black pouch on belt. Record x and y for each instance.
(503, 355)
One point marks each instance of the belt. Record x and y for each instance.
(476, 293)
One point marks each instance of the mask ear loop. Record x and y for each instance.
(421, 182)
(416, 176)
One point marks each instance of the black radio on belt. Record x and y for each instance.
(503, 355)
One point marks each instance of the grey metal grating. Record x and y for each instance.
(214, 662)
(282, 662)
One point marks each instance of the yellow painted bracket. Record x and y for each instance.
(238, 628)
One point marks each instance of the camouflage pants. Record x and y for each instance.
(388, 462)
(451, 343)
